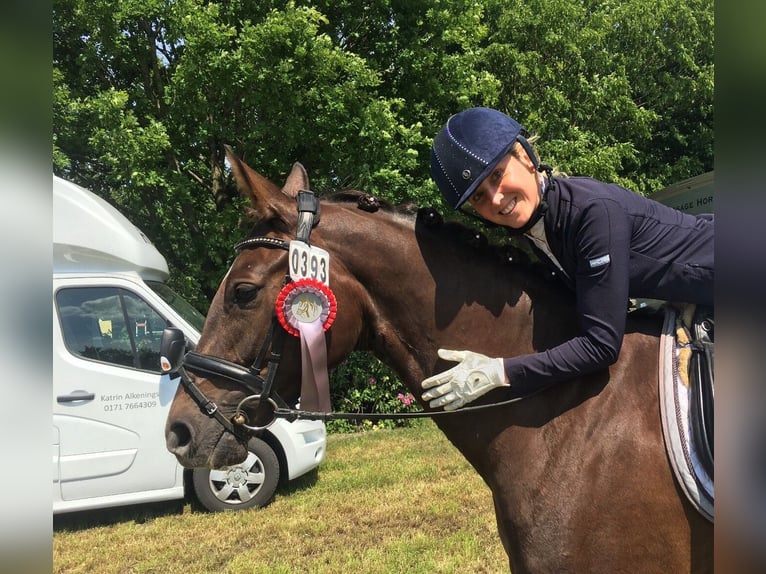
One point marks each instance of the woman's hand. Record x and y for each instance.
(474, 376)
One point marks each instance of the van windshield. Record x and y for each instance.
(181, 305)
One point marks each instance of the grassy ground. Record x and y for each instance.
(389, 501)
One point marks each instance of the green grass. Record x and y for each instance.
(388, 501)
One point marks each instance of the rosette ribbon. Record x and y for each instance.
(306, 308)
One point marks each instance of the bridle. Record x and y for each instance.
(262, 389)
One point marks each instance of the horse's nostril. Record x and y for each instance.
(178, 438)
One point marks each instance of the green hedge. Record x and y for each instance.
(362, 384)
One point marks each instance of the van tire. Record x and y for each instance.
(250, 484)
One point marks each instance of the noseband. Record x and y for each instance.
(262, 389)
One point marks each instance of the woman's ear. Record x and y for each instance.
(526, 160)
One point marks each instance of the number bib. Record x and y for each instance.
(309, 262)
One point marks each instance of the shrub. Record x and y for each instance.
(362, 384)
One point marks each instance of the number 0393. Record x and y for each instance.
(309, 262)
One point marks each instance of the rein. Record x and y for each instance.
(262, 389)
(297, 414)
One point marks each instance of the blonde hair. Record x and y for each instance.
(517, 149)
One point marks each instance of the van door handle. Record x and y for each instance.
(75, 396)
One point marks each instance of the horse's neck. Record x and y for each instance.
(427, 291)
(398, 311)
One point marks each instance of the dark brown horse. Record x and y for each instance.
(579, 475)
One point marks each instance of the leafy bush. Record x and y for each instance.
(362, 384)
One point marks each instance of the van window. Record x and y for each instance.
(111, 325)
(179, 304)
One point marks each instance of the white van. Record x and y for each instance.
(110, 398)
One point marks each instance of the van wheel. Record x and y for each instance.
(250, 484)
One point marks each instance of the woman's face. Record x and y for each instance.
(510, 193)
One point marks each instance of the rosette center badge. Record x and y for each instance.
(306, 307)
(304, 302)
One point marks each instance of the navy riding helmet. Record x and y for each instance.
(468, 148)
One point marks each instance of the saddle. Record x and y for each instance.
(687, 396)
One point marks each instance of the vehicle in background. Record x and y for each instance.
(693, 195)
(110, 397)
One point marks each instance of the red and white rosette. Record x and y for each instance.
(306, 308)
(303, 302)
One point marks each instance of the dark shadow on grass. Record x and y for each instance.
(142, 513)
(138, 513)
(299, 484)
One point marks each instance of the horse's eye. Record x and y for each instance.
(245, 292)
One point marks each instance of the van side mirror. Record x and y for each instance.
(172, 349)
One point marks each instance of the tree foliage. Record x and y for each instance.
(147, 92)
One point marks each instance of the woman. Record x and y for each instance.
(605, 242)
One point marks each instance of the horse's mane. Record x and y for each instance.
(367, 202)
(505, 252)
(500, 249)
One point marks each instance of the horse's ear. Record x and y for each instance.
(259, 190)
(296, 181)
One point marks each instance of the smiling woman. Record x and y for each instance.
(606, 243)
(510, 194)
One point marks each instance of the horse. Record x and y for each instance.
(579, 476)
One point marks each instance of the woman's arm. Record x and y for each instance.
(601, 236)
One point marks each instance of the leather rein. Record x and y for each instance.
(262, 389)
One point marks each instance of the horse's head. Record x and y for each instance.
(239, 328)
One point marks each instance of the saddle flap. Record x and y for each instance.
(686, 405)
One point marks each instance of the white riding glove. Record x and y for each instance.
(474, 376)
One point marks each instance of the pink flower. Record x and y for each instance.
(406, 399)
(372, 380)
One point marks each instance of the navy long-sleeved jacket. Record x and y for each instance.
(613, 244)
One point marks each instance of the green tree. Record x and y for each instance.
(426, 54)
(620, 91)
(667, 50)
(146, 93)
